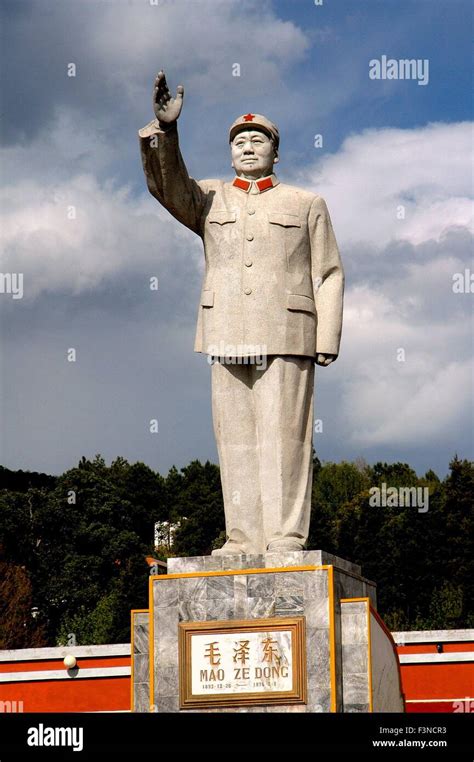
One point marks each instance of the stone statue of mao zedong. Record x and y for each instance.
(270, 308)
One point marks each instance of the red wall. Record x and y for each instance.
(443, 687)
(427, 687)
(71, 694)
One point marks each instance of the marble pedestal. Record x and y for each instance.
(311, 584)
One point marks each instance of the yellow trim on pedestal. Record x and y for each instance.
(227, 572)
(369, 639)
(332, 638)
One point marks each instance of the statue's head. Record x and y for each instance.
(254, 142)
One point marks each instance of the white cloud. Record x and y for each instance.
(71, 145)
(399, 290)
(423, 169)
(390, 407)
(111, 234)
(394, 399)
(203, 40)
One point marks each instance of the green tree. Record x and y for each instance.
(73, 547)
(199, 509)
(456, 552)
(334, 486)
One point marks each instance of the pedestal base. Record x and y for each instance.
(310, 588)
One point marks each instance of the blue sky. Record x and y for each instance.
(386, 143)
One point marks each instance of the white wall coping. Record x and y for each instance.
(63, 674)
(451, 656)
(436, 700)
(123, 649)
(432, 636)
(37, 654)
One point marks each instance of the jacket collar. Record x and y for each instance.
(262, 184)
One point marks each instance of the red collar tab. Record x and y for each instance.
(264, 184)
(242, 184)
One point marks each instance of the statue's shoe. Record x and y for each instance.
(229, 549)
(284, 546)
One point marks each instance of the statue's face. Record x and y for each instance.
(253, 154)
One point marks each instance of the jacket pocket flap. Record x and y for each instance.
(221, 216)
(207, 298)
(300, 302)
(284, 219)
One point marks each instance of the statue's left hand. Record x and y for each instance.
(323, 359)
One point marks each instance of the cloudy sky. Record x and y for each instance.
(78, 223)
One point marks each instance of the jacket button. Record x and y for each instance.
(250, 237)
(250, 211)
(248, 263)
(247, 291)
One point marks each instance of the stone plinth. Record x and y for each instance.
(370, 667)
(307, 584)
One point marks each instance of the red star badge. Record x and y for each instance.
(248, 117)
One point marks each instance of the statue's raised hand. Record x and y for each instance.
(166, 108)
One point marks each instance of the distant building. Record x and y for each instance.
(165, 532)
